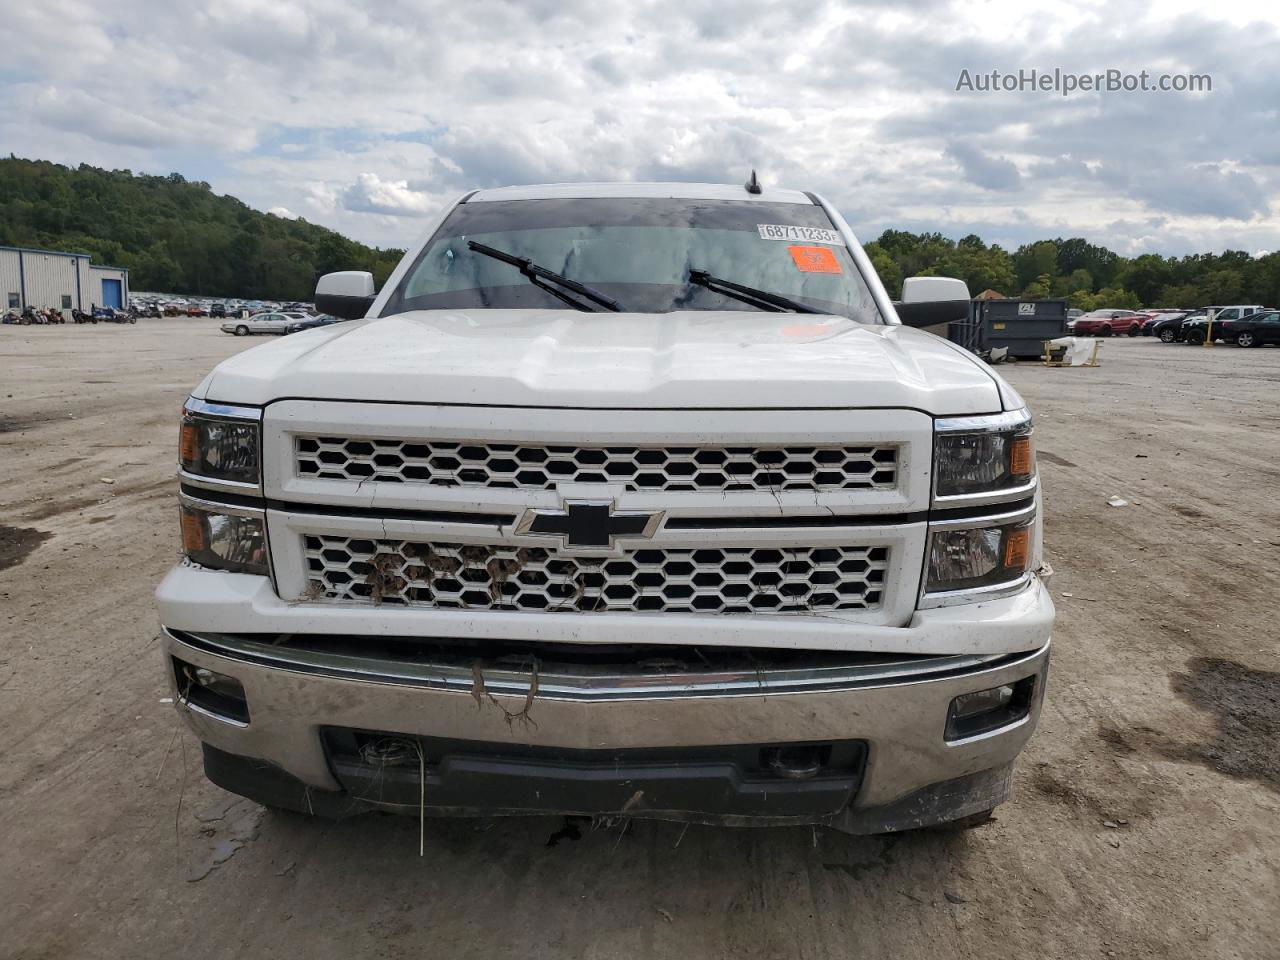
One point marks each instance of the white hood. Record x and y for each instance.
(564, 358)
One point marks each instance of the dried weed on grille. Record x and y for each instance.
(506, 577)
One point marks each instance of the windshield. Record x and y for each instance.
(639, 252)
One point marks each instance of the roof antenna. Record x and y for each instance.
(753, 185)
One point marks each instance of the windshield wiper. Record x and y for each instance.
(763, 299)
(539, 277)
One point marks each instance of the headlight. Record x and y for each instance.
(979, 555)
(220, 443)
(223, 537)
(981, 456)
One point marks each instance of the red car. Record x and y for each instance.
(1106, 323)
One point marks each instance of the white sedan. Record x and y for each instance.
(273, 322)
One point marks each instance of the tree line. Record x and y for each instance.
(177, 236)
(1086, 275)
(173, 235)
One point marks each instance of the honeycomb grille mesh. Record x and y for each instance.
(656, 469)
(509, 577)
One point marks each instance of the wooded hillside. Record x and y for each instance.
(174, 235)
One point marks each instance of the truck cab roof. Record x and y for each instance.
(684, 191)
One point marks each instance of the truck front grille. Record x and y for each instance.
(513, 466)
(509, 577)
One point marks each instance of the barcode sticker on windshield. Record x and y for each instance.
(787, 231)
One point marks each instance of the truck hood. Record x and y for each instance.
(564, 358)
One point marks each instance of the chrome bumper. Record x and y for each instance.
(898, 710)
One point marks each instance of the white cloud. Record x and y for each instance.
(371, 194)
(367, 117)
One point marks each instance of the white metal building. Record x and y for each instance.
(64, 281)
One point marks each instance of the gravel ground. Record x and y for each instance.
(1144, 822)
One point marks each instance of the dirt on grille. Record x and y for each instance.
(1145, 821)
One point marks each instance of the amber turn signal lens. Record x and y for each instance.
(194, 539)
(1017, 548)
(1021, 461)
(189, 445)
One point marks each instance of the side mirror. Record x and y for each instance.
(348, 294)
(932, 300)
(934, 290)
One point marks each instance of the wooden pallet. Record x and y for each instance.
(1056, 356)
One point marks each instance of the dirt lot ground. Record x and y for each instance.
(1144, 824)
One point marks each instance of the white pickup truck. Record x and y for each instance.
(622, 499)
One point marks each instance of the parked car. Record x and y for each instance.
(259, 323)
(1169, 328)
(1155, 316)
(1255, 330)
(310, 322)
(1137, 323)
(1219, 320)
(1106, 323)
(645, 541)
(218, 310)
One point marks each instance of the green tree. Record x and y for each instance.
(1116, 297)
(886, 268)
(1222, 286)
(1076, 253)
(1032, 261)
(1262, 279)
(1185, 295)
(1077, 281)
(1038, 289)
(1146, 276)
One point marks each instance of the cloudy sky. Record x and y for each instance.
(367, 117)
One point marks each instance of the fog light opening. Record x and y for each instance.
(973, 714)
(390, 752)
(211, 692)
(797, 762)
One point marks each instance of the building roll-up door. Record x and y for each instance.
(112, 295)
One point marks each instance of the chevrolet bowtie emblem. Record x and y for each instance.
(587, 524)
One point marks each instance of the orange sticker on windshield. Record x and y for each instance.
(815, 259)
